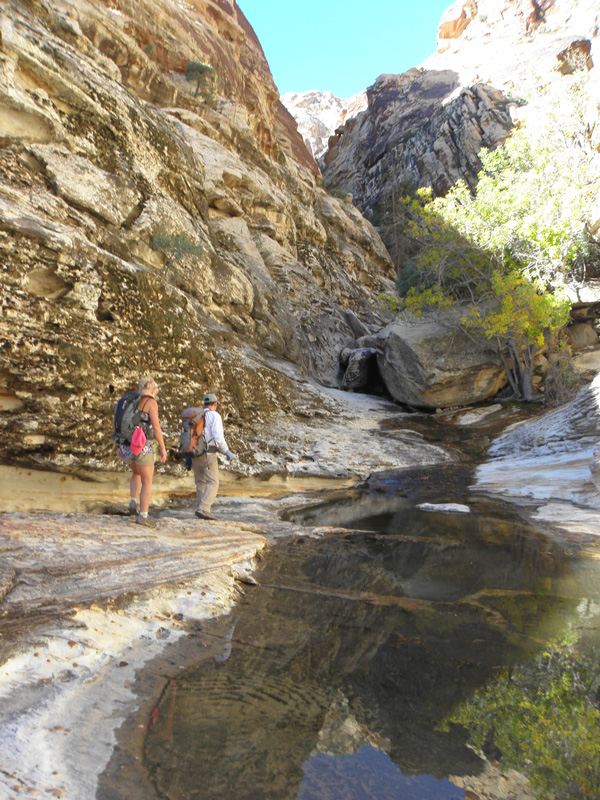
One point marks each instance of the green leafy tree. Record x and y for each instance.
(483, 293)
(495, 261)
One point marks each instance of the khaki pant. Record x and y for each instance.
(206, 475)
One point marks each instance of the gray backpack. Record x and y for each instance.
(128, 417)
(191, 439)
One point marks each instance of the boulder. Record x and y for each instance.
(581, 335)
(428, 365)
(357, 327)
(367, 341)
(587, 363)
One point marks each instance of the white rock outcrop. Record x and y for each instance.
(319, 114)
(552, 458)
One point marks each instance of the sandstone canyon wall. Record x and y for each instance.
(496, 62)
(160, 212)
(498, 65)
(155, 224)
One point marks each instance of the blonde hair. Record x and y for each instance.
(147, 384)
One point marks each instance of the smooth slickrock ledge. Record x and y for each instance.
(550, 467)
(88, 599)
(549, 459)
(85, 602)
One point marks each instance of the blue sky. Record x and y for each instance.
(342, 45)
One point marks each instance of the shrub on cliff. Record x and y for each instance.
(204, 75)
(174, 246)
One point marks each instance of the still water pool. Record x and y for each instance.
(414, 656)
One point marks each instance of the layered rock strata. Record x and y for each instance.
(85, 603)
(420, 129)
(497, 66)
(551, 459)
(156, 223)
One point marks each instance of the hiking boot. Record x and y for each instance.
(202, 515)
(132, 507)
(149, 523)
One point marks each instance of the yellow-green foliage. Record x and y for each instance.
(494, 295)
(530, 204)
(528, 214)
(498, 258)
(522, 308)
(544, 720)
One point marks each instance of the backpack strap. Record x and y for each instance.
(206, 410)
(146, 425)
(146, 405)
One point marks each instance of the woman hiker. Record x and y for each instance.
(142, 465)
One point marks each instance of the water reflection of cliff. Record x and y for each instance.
(363, 639)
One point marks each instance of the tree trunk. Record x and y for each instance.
(528, 393)
(520, 375)
(509, 373)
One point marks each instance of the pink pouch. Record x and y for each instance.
(138, 440)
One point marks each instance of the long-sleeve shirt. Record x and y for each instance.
(213, 431)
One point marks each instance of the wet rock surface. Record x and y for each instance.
(334, 436)
(54, 564)
(85, 602)
(551, 458)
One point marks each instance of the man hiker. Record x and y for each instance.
(206, 466)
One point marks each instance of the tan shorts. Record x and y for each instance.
(142, 461)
